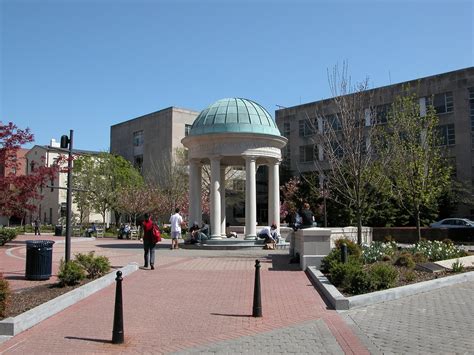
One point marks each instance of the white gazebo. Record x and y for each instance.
(234, 132)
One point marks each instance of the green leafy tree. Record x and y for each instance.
(418, 171)
(101, 178)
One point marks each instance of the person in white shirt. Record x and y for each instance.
(176, 220)
(270, 234)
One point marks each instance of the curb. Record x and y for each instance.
(14, 325)
(342, 303)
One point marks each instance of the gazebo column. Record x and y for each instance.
(250, 198)
(215, 198)
(195, 208)
(274, 193)
(223, 216)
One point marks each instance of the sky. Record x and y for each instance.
(85, 65)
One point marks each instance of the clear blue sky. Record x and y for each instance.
(88, 64)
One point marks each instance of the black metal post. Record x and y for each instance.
(257, 297)
(343, 253)
(117, 333)
(69, 198)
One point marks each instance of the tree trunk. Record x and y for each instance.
(359, 228)
(418, 229)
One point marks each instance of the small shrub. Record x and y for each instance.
(383, 276)
(7, 234)
(419, 258)
(5, 294)
(333, 258)
(457, 266)
(409, 275)
(405, 259)
(70, 273)
(387, 258)
(342, 273)
(359, 282)
(352, 247)
(95, 266)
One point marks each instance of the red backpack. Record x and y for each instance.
(156, 233)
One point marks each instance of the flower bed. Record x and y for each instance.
(380, 266)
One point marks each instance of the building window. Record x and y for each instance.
(306, 127)
(336, 150)
(471, 114)
(138, 139)
(138, 163)
(442, 103)
(306, 153)
(286, 129)
(446, 135)
(187, 128)
(332, 122)
(381, 113)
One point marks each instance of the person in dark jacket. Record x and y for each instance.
(307, 216)
(148, 242)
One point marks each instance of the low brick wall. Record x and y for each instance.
(408, 234)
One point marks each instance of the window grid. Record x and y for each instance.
(286, 129)
(471, 114)
(446, 135)
(138, 138)
(306, 153)
(442, 103)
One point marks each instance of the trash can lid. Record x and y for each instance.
(39, 243)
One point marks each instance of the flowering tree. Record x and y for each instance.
(18, 191)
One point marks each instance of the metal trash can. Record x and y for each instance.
(58, 230)
(39, 259)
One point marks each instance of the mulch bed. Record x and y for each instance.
(23, 300)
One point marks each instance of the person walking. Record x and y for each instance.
(176, 220)
(37, 225)
(148, 242)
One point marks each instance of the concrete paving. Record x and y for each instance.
(201, 302)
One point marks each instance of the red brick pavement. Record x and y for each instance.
(187, 301)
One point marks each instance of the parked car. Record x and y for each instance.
(453, 223)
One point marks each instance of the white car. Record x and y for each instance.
(453, 223)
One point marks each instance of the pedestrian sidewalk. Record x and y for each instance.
(192, 302)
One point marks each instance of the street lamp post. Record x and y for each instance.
(66, 142)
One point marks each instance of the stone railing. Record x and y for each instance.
(311, 245)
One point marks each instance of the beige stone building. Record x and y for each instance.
(149, 141)
(51, 209)
(452, 95)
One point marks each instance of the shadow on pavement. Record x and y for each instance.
(91, 339)
(137, 245)
(282, 263)
(231, 315)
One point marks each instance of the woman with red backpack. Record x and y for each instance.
(149, 241)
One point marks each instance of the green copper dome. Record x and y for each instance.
(233, 116)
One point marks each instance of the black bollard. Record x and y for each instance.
(117, 333)
(343, 253)
(257, 297)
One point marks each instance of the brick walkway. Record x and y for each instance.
(200, 301)
(193, 299)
